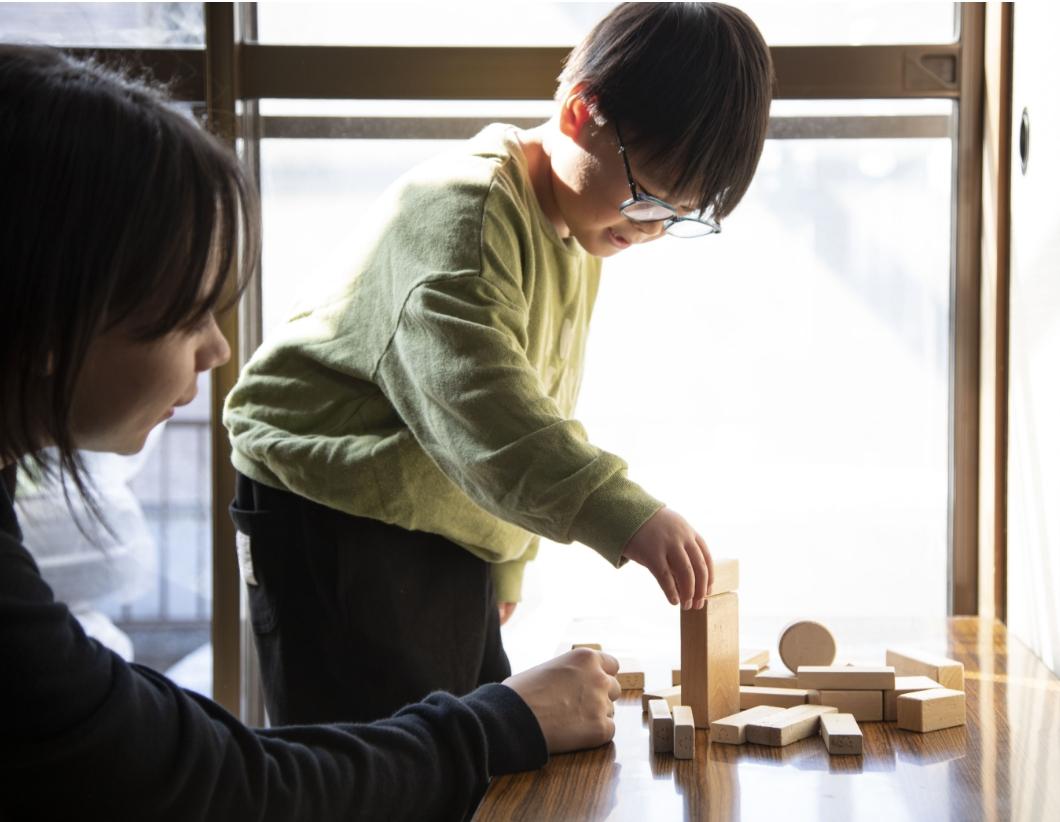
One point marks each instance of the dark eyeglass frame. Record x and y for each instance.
(709, 224)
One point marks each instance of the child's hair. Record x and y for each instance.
(689, 84)
(115, 207)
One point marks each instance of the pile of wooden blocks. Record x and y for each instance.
(734, 694)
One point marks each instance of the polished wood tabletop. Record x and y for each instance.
(1004, 764)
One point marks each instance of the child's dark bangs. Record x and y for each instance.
(208, 223)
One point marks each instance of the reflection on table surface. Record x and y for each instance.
(1002, 765)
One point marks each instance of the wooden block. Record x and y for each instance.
(790, 725)
(776, 679)
(754, 656)
(932, 710)
(841, 734)
(750, 696)
(672, 696)
(660, 726)
(949, 673)
(904, 685)
(806, 643)
(710, 652)
(748, 669)
(846, 678)
(675, 676)
(684, 733)
(726, 576)
(864, 706)
(593, 646)
(732, 730)
(630, 675)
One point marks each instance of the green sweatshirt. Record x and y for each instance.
(435, 391)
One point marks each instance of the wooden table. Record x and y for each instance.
(1004, 764)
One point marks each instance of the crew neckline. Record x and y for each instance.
(510, 138)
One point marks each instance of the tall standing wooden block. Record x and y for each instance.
(710, 659)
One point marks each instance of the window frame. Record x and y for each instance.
(233, 73)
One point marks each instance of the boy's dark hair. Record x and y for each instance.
(114, 208)
(689, 84)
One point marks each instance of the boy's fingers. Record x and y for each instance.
(710, 561)
(608, 663)
(614, 690)
(666, 582)
(699, 565)
(684, 577)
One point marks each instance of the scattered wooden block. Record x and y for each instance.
(864, 706)
(726, 576)
(672, 696)
(630, 680)
(790, 725)
(949, 673)
(660, 726)
(594, 646)
(710, 650)
(841, 734)
(932, 710)
(754, 656)
(751, 663)
(904, 685)
(806, 643)
(630, 676)
(750, 696)
(846, 678)
(732, 730)
(776, 679)
(684, 733)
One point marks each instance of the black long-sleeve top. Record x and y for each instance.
(85, 735)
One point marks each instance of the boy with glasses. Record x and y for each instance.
(402, 447)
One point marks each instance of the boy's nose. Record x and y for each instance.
(651, 231)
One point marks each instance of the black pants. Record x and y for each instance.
(354, 618)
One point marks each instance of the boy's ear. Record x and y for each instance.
(575, 113)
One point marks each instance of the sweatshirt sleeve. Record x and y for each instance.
(457, 373)
(88, 736)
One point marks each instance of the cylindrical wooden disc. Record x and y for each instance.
(806, 643)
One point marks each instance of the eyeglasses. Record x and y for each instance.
(643, 208)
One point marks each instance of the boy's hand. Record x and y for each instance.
(677, 556)
(506, 609)
(572, 697)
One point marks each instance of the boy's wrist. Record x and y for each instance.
(611, 515)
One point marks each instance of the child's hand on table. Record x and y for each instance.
(676, 555)
(572, 697)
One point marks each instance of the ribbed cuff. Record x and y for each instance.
(513, 734)
(611, 515)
